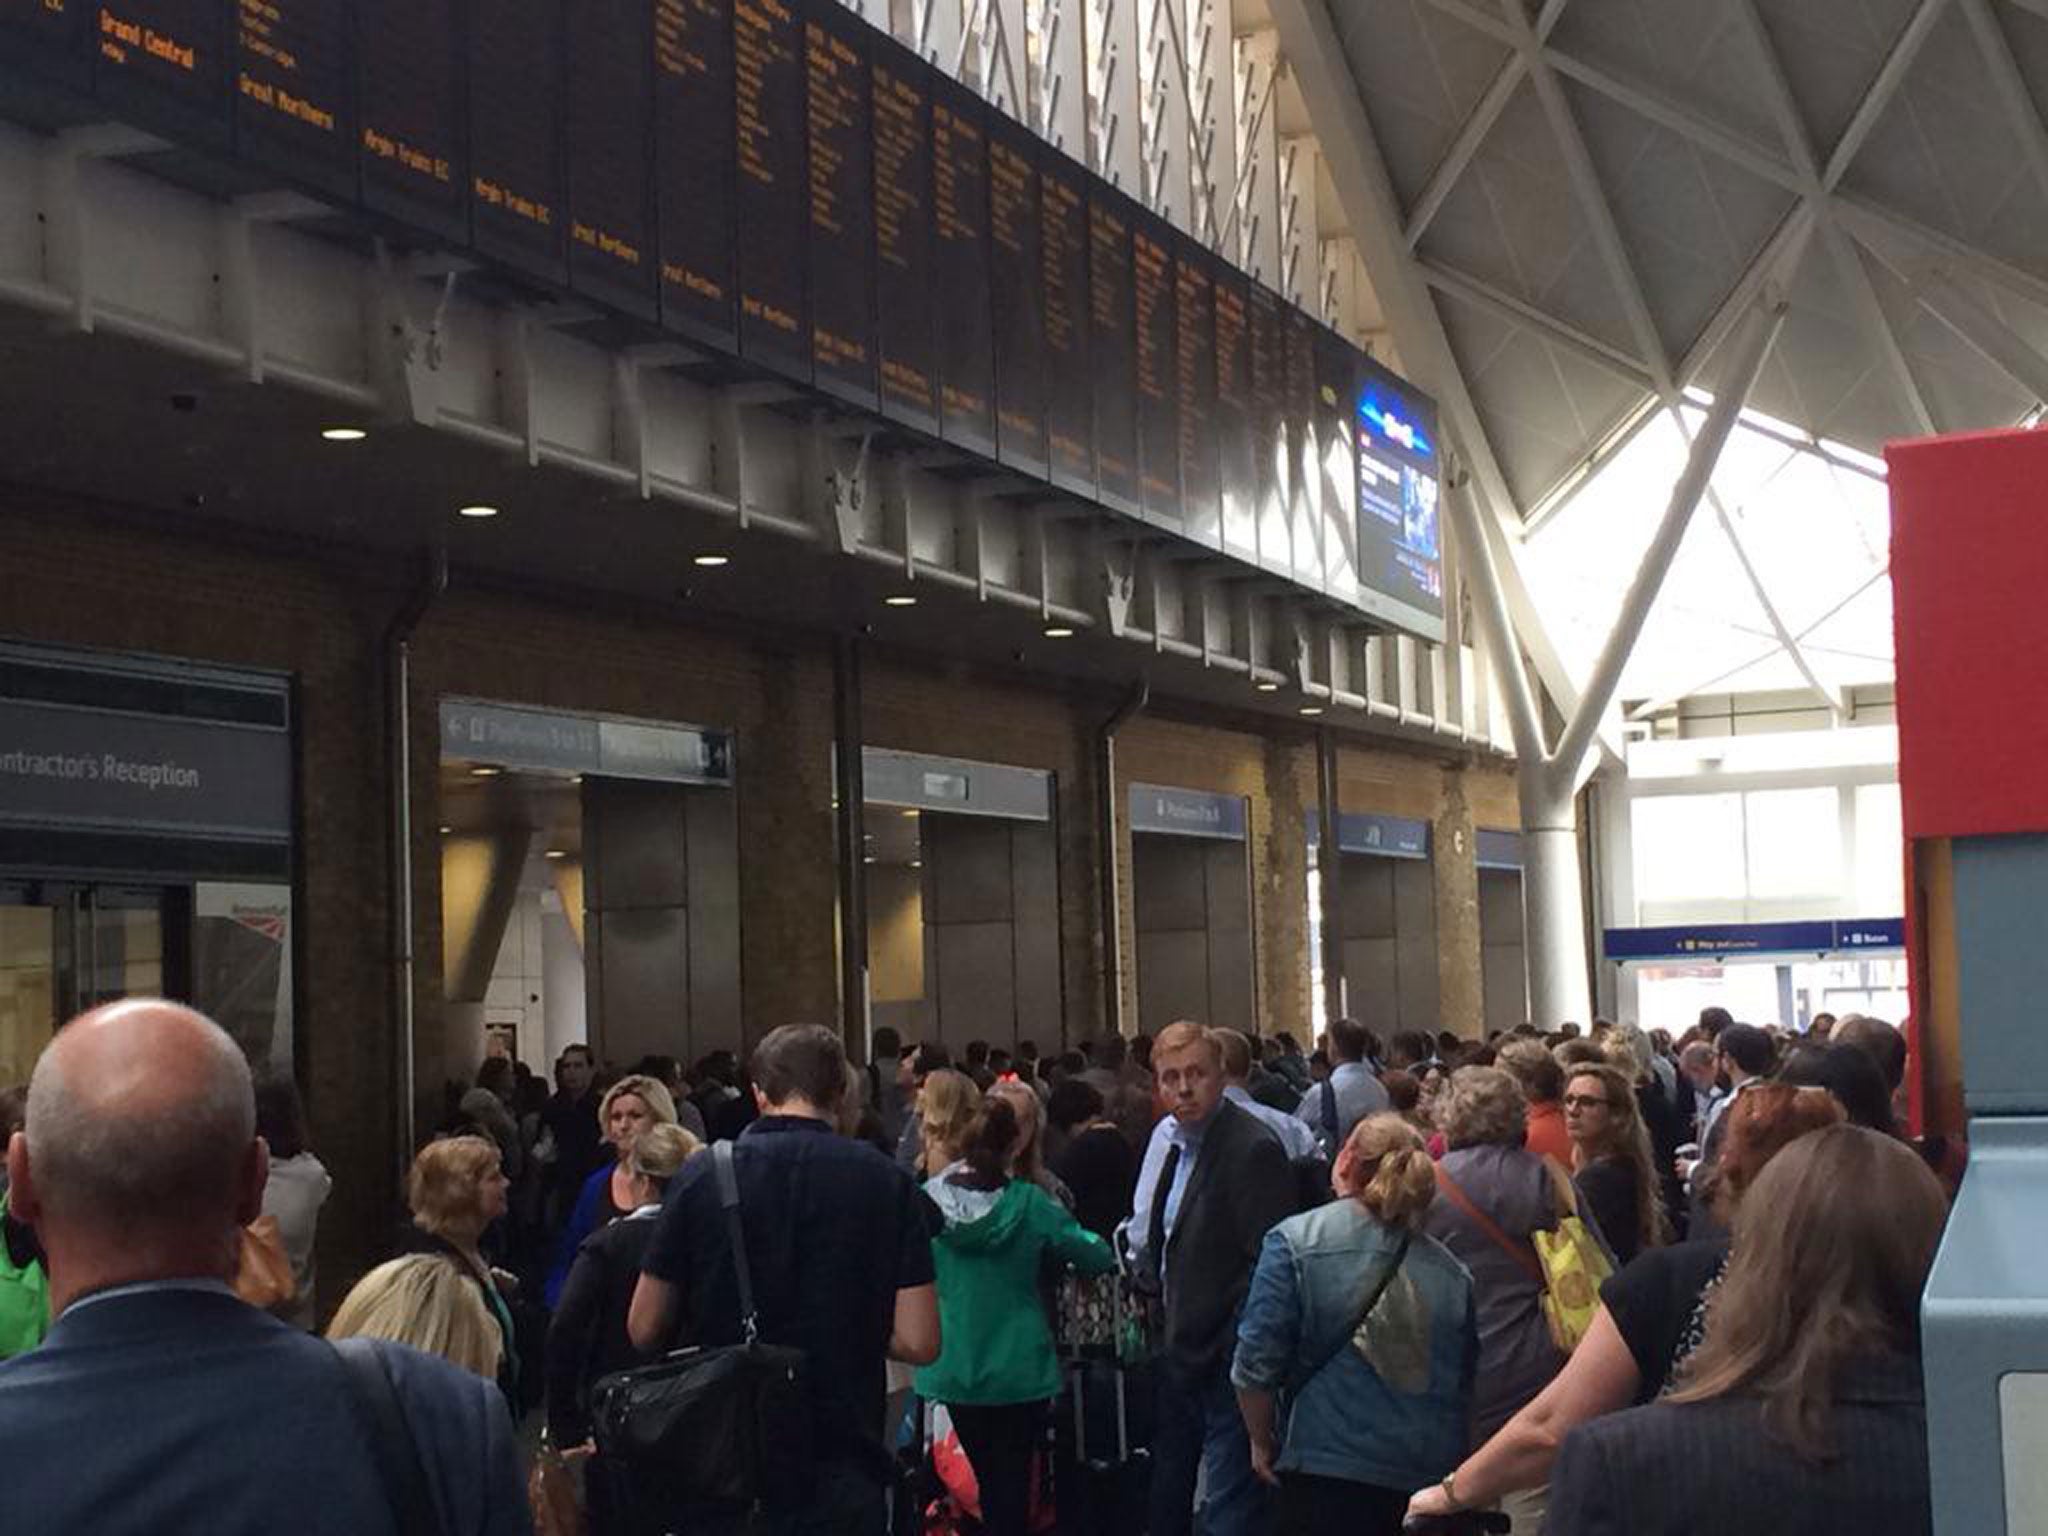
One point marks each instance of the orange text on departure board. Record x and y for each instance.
(120, 39)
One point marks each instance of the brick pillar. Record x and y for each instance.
(1285, 964)
(1459, 971)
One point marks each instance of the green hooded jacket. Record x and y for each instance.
(24, 1301)
(995, 1344)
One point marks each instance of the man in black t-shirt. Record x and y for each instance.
(840, 1258)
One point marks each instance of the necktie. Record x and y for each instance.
(1155, 1234)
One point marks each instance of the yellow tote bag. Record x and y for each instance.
(1574, 1265)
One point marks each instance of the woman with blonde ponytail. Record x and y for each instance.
(1357, 1347)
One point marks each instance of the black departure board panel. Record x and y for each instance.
(1336, 391)
(517, 209)
(1113, 341)
(1237, 468)
(842, 205)
(1016, 287)
(1195, 326)
(48, 40)
(900, 100)
(1063, 295)
(409, 113)
(1299, 393)
(164, 64)
(771, 203)
(694, 128)
(1152, 284)
(1271, 443)
(608, 117)
(293, 96)
(960, 238)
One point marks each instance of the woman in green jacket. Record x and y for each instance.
(996, 1368)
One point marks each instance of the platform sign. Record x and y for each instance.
(1017, 295)
(294, 98)
(1400, 477)
(1158, 352)
(1721, 941)
(608, 122)
(967, 415)
(1272, 443)
(694, 163)
(1187, 812)
(772, 203)
(1367, 832)
(409, 117)
(842, 205)
(518, 214)
(1194, 287)
(164, 64)
(1237, 470)
(1064, 296)
(1113, 341)
(1497, 850)
(905, 272)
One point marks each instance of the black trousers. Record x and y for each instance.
(1336, 1506)
(999, 1443)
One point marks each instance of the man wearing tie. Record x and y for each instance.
(1213, 1181)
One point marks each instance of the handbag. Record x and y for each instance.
(724, 1428)
(1566, 1262)
(1103, 1317)
(551, 1491)
(1372, 1299)
(263, 1275)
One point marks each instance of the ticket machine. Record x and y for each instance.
(1969, 573)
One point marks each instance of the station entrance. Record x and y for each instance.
(961, 861)
(1191, 896)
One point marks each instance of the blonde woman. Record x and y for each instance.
(456, 1189)
(1366, 1326)
(947, 1105)
(628, 1107)
(424, 1301)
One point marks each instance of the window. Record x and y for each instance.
(1880, 852)
(1688, 847)
(1794, 839)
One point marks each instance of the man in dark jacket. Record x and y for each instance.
(1213, 1182)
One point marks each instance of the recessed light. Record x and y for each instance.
(1311, 709)
(485, 771)
(913, 815)
(870, 859)
(558, 853)
(917, 863)
(1269, 687)
(476, 510)
(1058, 631)
(446, 830)
(343, 434)
(711, 562)
(900, 600)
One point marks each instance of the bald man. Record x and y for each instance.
(160, 1403)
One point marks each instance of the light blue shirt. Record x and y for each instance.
(1359, 1093)
(1169, 1132)
(1294, 1134)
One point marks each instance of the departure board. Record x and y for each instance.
(694, 145)
(1113, 342)
(901, 104)
(608, 118)
(1305, 477)
(164, 64)
(771, 203)
(1158, 350)
(1063, 295)
(1237, 470)
(960, 239)
(1271, 442)
(293, 96)
(47, 41)
(842, 205)
(1016, 286)
(409, 113)
(1195, 328)
(1336, 458)
(517, 211)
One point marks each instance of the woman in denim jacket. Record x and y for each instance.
(1356, 1350)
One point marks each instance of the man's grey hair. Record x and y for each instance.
(168, 1162)
(1699, 1054)
(1482, 1107)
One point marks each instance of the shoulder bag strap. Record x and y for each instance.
(736, 1234)
(1330, 1109)
(1521, 1253)
(1372, 1300)
(392, 1445)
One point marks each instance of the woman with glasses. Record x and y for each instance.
(1611, 1160)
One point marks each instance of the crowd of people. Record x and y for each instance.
(1599, 1281)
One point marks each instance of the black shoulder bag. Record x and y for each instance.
(724, 1428)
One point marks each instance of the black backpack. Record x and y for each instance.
(711, 1430)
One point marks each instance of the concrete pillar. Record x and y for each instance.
(1553, 900)
(1460, 971)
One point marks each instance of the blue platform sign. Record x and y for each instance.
(1720, 941)
(1499, 850)
(1187, 812)
(1390, 837)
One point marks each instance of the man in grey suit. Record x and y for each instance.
(160, 1404)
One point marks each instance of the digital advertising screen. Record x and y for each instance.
(772, 203)
(694, 149)
(1400, 479)
(517, 208)
(409, 113)
(905, 272)
(294, 101)
(608, 100)
(842, 176)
